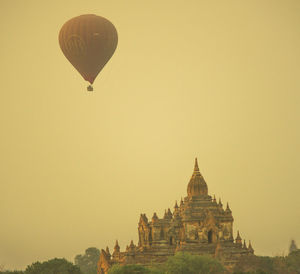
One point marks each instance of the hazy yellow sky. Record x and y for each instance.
(218, 80)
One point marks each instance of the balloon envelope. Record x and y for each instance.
(88, 42)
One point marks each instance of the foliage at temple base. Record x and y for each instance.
(185, 263)
(264, 265)
(181, 263)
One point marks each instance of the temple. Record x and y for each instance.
(198, 225)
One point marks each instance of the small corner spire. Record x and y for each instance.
(250, 248)
(176, 205)
(166, 214)
(107, 251)
(154, 218)
(220, 202)
(116, 249)
(238, 239)
(227, 208)
(131, 246)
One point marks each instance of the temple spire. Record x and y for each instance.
(154, 218)
(117, 247)
(116, 251)
(107, 251)
(250, 248)
(197, 185)
(238, 239)
(166, 214)
(176, 206)
(181, 202)
(220, 203)
(196, 168)
(228, 209)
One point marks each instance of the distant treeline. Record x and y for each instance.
(54, 266)
(181, 263)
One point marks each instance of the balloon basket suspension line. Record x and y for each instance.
(90, 88)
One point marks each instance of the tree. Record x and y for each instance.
(256, 264)
(134, 269)
(11, 272)
(54, 266)
(88, 261)
(185, 263)
(293, 246)
(128, 269)
(293, 262)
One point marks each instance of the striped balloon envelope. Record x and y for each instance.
(88, 41)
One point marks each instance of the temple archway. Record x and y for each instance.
(210, 236)
(162, 234)
(150, 237)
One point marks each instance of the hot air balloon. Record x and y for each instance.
(88, 41)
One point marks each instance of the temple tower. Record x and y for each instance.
(199, 225)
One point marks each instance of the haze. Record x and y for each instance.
(217, 80)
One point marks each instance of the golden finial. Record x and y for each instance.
(196, 168)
